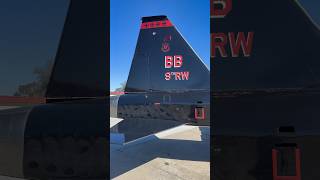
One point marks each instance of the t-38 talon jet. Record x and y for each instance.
(65, 135)
(168, 83)
(266, 94)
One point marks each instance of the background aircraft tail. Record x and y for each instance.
(81, 63)
(164, 61)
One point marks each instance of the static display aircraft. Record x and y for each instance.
(168, 83)
(65, 134)
(266, 95)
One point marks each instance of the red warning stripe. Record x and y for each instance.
(156, 24)
(12, 100)
(117, 93)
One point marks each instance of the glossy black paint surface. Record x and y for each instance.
(67, 137)
(57, 140)
(29, 36)
(148, 70)
(243, 148)
(268, 100)
(81, 62)
(167, 106)
(148, 113)
(284, 48)
(72, 141)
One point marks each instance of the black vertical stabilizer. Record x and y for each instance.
(81, 63)
(264, 54)
(279, 45)
(164, 61)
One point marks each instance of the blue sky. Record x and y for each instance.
(191, 17)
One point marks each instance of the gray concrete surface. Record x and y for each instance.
(181, 153)
(114, 121)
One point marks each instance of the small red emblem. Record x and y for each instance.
(165, 47)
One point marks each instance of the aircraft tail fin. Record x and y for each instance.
(258, 45)
(81, 63)
(164, 61)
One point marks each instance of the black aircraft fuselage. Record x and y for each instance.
(183, 107)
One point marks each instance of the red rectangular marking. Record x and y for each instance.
(156, 24)
(14, 100)
(199, 110)
(275, 167)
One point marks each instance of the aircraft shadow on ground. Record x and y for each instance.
(128, 158)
